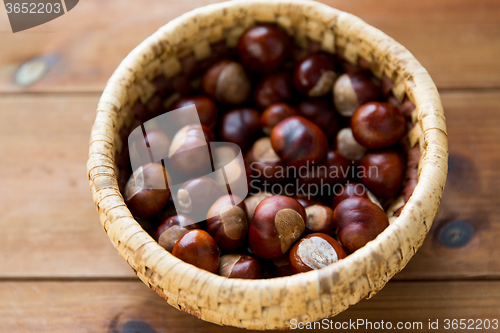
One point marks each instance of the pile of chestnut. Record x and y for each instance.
(284, 106)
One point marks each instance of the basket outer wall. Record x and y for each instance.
(272, 303)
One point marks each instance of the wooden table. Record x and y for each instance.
(59, 272)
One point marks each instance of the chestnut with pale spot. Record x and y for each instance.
(147, 190)
(173, 228)
(227, 82)
(314, 76)
(197, 195)
(198, 248)
(253, 201)
(378, 125)
(227, 222)
(315, 251)
(351, 91)
(358, 221)
(347, 145)
(239, 266)
(277, 223)
(299, 141)
(264, 162)
(319, 219)
(188, 153)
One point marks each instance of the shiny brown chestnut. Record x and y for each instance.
(378, 125)
(264, 163)
(306, 201)
(235, 177)
(263, 48)
(351, 91)
(198, 248)
(319, 219)
(239, 266)
(274, 114)
(227, 222)
(333, 169)
(173, 228)
(347, 145)
(350, 190)
(315, 75)
(227, 82)
(299, 141)
(147, 190)
(315, 251)
(197, 195)
(157, 140)
(358, 221)
(240, 126)
(206, 108)
(277, 223)
(382, 172)
(322, 113)
(188, 153)
(273, 88)
(251, 202)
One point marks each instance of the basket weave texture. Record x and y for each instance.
(272, 303)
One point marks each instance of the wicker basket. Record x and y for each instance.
(271, 303)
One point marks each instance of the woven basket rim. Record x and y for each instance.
(405, 234)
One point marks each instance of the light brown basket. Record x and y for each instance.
(272, 303)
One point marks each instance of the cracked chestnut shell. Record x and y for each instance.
(198, 248)
(277, 223)
(358, 221)
(227, 222)
(315, 251)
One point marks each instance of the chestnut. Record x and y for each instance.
(188, 153)
(298, 141)
(358, 221)
(264, 163)
(239, 266)
(263, 48)
(235, 177)
(252, 202)
(322, 113)
(206, 108)
(315, 75)
(147, 190)
(198, 248)
(315, 251)
(197, 195)
(319, 219)
(351, 91)
(378, 125)
(150, 148)
(280, 266)
(277, 223)
(240, 126)
(227, 222)
(306, 201)
(333, 169)
(273, 88)
(350, 190)
(173, 228)
(227, 82)
(347, 145)
(275, 113)
(382, 173)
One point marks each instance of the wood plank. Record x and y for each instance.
(50, 227)
(130, 307)
(471, 202)
(458, 44)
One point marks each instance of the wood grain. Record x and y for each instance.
(458, 44)
(50, 227)
(128, 307)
